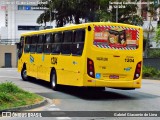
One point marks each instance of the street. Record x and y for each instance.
(77, 99)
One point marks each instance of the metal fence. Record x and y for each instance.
(153, 62)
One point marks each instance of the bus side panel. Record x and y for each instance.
(70, 70)
(20, 65)
(47, 63)
(31, 66)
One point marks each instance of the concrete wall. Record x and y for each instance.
(8, 49)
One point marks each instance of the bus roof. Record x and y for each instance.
(76, 26)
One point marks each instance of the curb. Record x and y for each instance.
(28, 107)
(150, 78)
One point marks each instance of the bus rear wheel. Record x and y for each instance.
(24, 74)
(53, 80)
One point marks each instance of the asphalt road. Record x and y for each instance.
(77, 99)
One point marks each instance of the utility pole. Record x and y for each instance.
(117, 13)
(50, 17)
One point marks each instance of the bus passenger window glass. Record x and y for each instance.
(58, 37)
(78, 44)
(79, 35)
(67, 43)
(77, 48)
(26, 48)
(68, 36)
(28, 40)
(39, 48)
(34, 39)
(48, 38)
(27, 44)
(41, 39)
(52, 38)
(56, 48)
(33, 48)
(47, 48)
(56, 45)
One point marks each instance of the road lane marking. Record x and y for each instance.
(63, 118)
(53, 105)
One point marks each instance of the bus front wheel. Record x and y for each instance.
(53, 80)
(24, 74)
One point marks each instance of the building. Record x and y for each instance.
(149, 20)
(19, 16)
(16, 17)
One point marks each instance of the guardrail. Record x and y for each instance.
(153, 62)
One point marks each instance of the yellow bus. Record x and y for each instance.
(93, 55)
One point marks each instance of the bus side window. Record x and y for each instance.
(78, 42)
(40, 43)
(41, 39)
(67, 42)
(33, 44)
(56, 46)
(27, 44)
(47, 45)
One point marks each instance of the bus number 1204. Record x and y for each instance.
(129, 60)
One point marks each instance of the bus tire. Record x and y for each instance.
(24, 74)
(53, 80)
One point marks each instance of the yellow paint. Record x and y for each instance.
(76, 74)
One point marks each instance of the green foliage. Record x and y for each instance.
(9, 87)
(5, 97)
(135, 20)
(103, 16)
(70, 11)
(154, 53)
(13, 96)
(157, 36)
(149, 71)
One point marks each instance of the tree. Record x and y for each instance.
(72, 11)
(152, 9)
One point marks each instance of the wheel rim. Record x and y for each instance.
(25, 74)
(53, 80)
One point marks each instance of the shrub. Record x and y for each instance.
(149, 71)
(154, 53)
(6, 97)
(9, 87)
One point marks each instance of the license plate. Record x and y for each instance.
(114, 76)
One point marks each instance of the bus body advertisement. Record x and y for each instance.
(95, 54)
